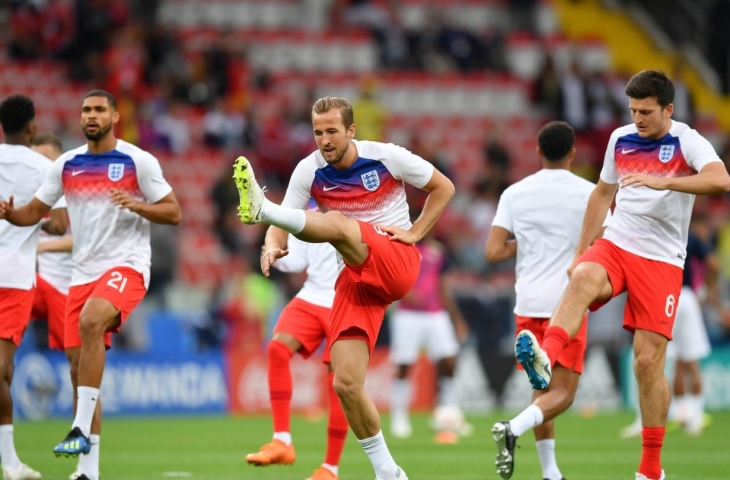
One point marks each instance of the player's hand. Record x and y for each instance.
(641, 180)
(399, 234)
(268, 257)
(7, 208)
(122, 199)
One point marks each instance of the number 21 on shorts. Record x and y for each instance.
(114, 282)
(670, 306)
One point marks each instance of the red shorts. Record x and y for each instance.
(123, 287)
(50, 304)
(653, 287)
(364, 292)
(308, 323)
(15, 307)
(574, 354)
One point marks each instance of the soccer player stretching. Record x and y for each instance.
(113, 190)
(302, 326)
(360, 187)
(545, 213)
(653, 168)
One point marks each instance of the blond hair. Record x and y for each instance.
(325, 104)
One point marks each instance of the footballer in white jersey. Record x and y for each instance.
(652, 168)
(301, 328)
(21, 173)
(113, 190)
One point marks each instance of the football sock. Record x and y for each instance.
(7, 447)
(88, 397)
(554, 342)
(336, 429)
(400, 399)
(529, 418)
(332, 468)
(280, 389)
(447, 391)
(380, 457)
(652, 439)
(546, 452)
(695, 409)
(290, 219)
(89, 463)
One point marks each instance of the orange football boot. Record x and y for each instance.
(274, 453)
(323, 474)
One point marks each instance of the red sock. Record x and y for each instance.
(280, 385)
(554, 342)
(336, 428)
(652, 439)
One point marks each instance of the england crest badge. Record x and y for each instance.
(666, 153)
(370, 180)
(116, 171)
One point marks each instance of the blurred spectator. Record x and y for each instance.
(548, 94)
(223, 127)
(719, 41)
(225, 222)
(683, 101)
(26, 25)
(164, 262)
(173, 129)
(370, 114)
(574, 107)
(522, 13)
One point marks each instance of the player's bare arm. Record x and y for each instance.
(165, 211)
(57, 224)
(447, 299)
(440, 191)
(711, 180)
(274, 248)
(598, 204)
(26, 215)
(500, 246)
(65, 244)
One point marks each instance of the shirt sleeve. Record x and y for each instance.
(299, 190)
(503, 217)
(697, 150)
(296, 260)
(608, 172)
(151, 183)
(51, 190)
(407, 166)
(61, 203)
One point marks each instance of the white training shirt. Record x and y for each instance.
(650, 223)
(320, 262)
(56, 268)
(544, 212)
(106, 236)
(21, 173)
(371, 190)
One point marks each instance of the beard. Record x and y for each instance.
(100, 133)
(339, 156)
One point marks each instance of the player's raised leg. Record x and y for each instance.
(280, 450)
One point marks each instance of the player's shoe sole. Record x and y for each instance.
(251, 195)
(533, 359)
(506, 443)
(73, 445)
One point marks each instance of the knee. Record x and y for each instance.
(339, 222)
(345, 386)
(91, 325)
(278, 352)
(587, 280)
(647, 364)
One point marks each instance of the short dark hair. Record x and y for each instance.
(16, 112)
(651, 83)
(47, 138)
(556, 140)
(105, 94)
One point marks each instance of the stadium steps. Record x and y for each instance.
(632, 50)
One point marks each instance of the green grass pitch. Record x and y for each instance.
(214, 448)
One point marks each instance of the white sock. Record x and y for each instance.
(696, 408)
(283, 437)
(680, 409)
(400, 399)
(290, 219)
(88, 396)
(7, 448)
(89, 463)
(380, 457)
(530, 417)
(546, 452)
(332, 468)
(447, 391)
